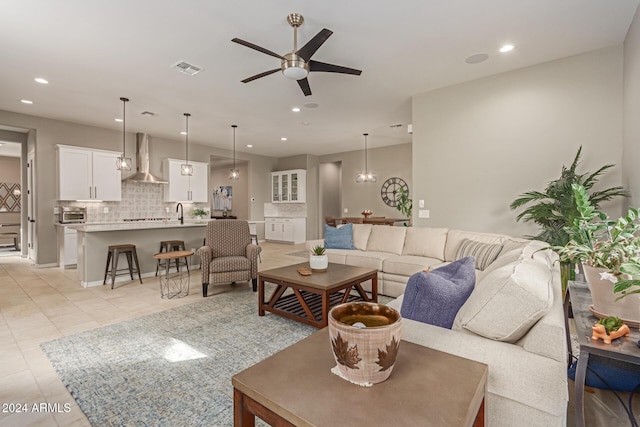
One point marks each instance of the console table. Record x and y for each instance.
(624, 348)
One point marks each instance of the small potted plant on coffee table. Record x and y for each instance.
(318, 260)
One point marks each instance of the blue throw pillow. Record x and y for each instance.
(436, 297)
(338, 238)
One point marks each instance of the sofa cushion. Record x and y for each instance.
(426, 242)
(338, 238)
(407, 265)
(455, 237)
(483, 253)
(506, 303)
(367, 259)
(436, 297)
(387, 239)
(361, 233)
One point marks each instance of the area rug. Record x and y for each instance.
(301, 254)
(171, 368)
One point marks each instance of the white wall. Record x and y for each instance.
(631, 144)
(478, 145)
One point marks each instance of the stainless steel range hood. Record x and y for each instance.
(142, 162)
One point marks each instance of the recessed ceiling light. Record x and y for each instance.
(118, 120)
(183, 133)
(249, 145)
(477, 58)
(305, 123)
(41, 80)
(295, 109)
(283, 139)
(506, 48)
(26, 101)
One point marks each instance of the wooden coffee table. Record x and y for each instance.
(296, 388)
(311, 297)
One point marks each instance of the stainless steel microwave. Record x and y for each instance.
(72, 214)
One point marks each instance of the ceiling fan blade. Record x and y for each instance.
(257, 76)
(256, 47)
(307, 51)
(331, 68)
(304, 85)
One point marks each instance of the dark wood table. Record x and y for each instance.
(311, 297)
(295, 387)
(624, 348)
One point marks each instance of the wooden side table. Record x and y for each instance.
(624, 349)
(176, 284)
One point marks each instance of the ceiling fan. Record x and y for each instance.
(297, 64)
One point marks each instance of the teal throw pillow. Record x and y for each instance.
(338, 238)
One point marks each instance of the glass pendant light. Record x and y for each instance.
(234, 173)
(123, 163)
(186, 168)
(366, 175)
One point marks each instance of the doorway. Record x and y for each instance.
(330, 192)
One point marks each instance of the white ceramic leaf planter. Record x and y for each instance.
(318, 263)
(604, 299)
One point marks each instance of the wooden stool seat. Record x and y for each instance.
(112, 258)
(173, 246)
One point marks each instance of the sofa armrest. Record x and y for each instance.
(252, 253)
(310, 244)
(206, 256)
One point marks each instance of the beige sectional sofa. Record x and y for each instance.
(513, 320)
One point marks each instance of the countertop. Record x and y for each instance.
(134, 225)
(90, 227)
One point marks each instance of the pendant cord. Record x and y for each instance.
(366, 164)
(186, 157)
(234, 146)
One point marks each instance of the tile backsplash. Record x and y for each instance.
(285, 209)
(139, 200)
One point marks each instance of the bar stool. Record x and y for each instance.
(254, 237)
(112, 257)
(170, 246)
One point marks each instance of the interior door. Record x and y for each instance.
(31, 206)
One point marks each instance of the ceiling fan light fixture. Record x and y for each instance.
(294, 67)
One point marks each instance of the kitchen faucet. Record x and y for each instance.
(181, 217)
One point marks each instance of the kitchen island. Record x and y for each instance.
(93, 240)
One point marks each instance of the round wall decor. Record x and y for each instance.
(390, 188)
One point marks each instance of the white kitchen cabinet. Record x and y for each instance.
(87, 174)
(183, 188)
(290, 230)
(67, 247)
(289, 186)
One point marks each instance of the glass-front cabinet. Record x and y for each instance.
(289, 186)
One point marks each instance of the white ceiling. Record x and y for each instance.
(94, 52)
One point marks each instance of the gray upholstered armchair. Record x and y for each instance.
(228, 254)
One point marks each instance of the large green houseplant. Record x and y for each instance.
(554, 208)
(405, 204)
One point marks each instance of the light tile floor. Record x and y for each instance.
(41, 304)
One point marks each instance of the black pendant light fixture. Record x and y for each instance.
(234, 173)
(123, 163)
(366, 175)
(186, 168)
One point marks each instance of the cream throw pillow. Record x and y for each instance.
(387, 239)
(425, 241)
(361, 233)
(507, 302)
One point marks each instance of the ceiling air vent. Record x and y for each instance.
(148, 113)
(186, 68)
